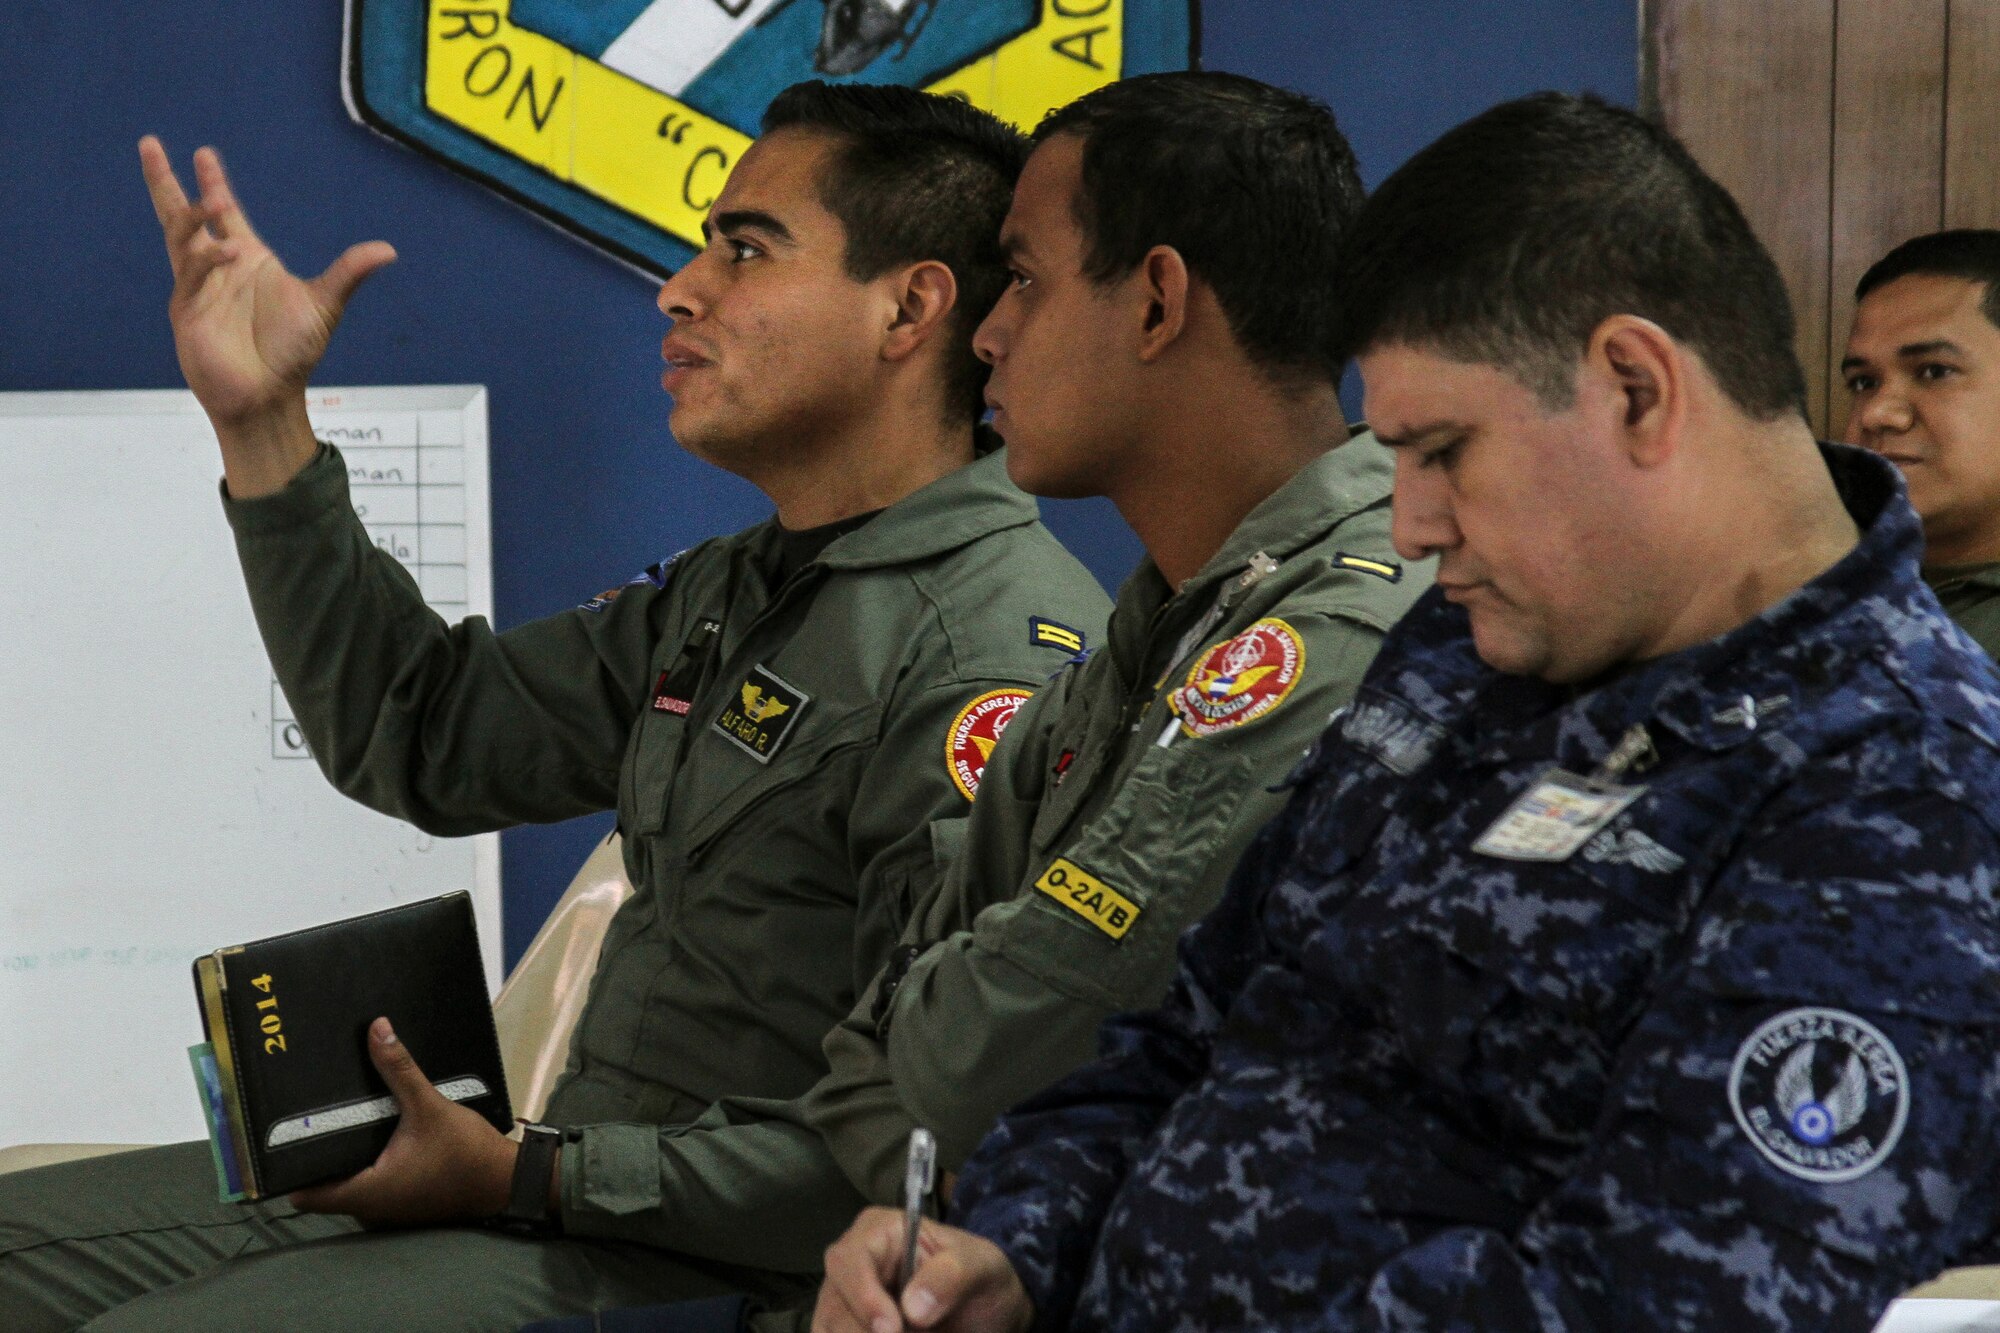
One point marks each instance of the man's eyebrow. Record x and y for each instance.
(1930, 348)
(1422, 434)
(1013, 245)
(746, 219)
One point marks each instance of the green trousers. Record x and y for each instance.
(138, 1241)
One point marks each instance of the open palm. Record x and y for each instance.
(248, 332)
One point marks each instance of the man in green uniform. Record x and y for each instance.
(787, 722)
(1152, 352)
(1923, 366)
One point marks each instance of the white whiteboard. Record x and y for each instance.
(155, 800)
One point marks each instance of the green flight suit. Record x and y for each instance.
(1971, 597)
(779, 757)
(1011, 984)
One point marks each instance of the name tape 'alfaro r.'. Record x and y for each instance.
(619, 120)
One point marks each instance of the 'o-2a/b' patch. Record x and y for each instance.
(762, 714)
(619, 120)
(1089, 897)
(1240, 679)
(973, 734)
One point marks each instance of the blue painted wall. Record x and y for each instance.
(587, 485)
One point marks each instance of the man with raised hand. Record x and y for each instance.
(784, 720)
(1923, 366)
(1623, 956)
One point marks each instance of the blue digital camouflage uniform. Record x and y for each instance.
(1730, 1065)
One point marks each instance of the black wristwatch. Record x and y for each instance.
(527, 1210)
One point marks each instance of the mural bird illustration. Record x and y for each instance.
(1815, 1121)
(854, 32)
(760, 707)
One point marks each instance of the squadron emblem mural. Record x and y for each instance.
(619, 120)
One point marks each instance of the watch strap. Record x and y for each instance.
(528, 1202)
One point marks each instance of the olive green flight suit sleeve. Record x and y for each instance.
(997, 1012)
(455, 728)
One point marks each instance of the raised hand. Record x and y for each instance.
(247, 331)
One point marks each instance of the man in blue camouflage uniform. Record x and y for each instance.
(1625, 955)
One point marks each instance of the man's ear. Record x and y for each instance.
(925, 295)
(1648, 375)
(1162, 284)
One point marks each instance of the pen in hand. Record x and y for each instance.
(919, 1178)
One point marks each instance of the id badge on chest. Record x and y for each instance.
(1554, 818)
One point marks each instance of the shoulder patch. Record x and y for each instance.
(762, 713)
(654, 574)
(1089, 897)
(1051, 634)
(1381, 569)
(1821, 1093)
(969, 741)
(1241, 679)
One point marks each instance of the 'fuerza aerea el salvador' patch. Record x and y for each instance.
(1241, 679)
(1089, 897)
(969, 741)
(1821, 1093)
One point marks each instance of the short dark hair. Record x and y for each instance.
(917, 177)
(1969, 253)
(1254, 186)
(1510, 239)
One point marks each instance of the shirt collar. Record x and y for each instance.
(1320, 496)
(956, 510)
(1943, 578)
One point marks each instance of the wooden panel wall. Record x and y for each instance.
(1972, 115)
(1842, 127)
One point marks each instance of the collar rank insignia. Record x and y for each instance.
(1240, 680)
(1047, 633)
(1821, 1093)
(973, 734)
(761, 715)
(619, 120)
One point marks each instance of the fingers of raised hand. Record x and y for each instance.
(223, 215)
(170, 202)
(346, 273)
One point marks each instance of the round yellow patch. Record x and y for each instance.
(969, 742)
(1240, 680)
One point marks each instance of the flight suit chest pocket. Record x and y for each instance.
(730, 785)
(1108, 902)
(660, 735)
(1079, 749)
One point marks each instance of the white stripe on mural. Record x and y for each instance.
(673, 41)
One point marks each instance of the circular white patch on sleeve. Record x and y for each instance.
(1821, 1093)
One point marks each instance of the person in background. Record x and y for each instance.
(1923, 370)
(1622, 959)
(774, 716)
